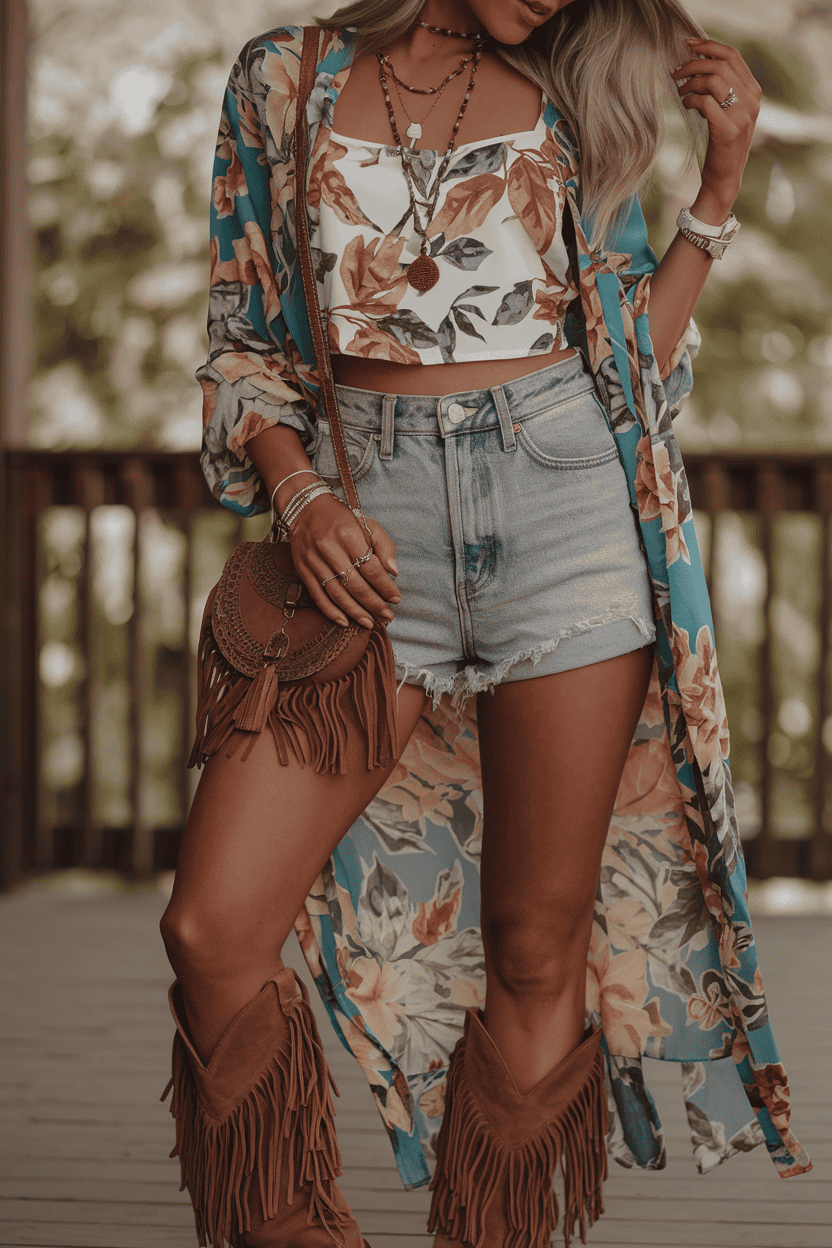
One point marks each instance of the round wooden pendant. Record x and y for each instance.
(423, 273)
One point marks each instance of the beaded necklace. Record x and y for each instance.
(423, 273)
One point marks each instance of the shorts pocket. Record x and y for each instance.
(361, 450)
(571, 434)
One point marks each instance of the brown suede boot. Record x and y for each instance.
(498, 1149)
(261, 1106)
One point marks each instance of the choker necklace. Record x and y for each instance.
(457, 34)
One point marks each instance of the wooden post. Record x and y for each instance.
(15, 354)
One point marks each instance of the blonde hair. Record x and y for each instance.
(605, 65)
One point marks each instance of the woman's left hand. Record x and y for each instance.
(705, 84)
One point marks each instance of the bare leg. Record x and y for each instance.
(257, 837)
(553, 749)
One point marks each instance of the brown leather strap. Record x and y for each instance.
(308, 66)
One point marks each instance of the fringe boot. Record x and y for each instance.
(498, 1149)
(255, 1130)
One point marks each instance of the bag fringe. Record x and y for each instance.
(474, 1167)
(308, 721)
(285, 1123)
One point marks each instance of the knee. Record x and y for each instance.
(538, 960)
(213, 945)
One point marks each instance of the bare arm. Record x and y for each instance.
(703, 83)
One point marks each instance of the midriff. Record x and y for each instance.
(391, 378)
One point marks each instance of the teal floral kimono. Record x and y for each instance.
(390, 930)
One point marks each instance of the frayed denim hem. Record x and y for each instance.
(462, 685)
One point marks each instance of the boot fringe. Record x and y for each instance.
(472, 1163)
(309, 721)
(285, 1123)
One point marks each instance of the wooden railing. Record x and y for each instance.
(99, 693)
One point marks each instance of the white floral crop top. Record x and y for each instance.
(504, 283)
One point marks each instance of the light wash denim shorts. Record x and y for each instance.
(518, 550)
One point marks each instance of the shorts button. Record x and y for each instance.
(456, 413)
(516, 427)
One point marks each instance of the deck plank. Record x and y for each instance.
(85, 1054)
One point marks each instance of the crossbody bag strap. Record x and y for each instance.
(308, 66)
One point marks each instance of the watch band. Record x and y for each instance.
(729, 227)
(715, 247)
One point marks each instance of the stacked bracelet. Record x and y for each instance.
(296, 504)
(301, 472)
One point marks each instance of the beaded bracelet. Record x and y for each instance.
(303, 498)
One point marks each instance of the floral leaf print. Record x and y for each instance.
(472, 308)
(688, 914)
(467, 206)
(397, 833)
(516, 304)
(229, 185)
(446, 340)
(710, 1003)
(550, 304)
(324, 262)
(328, 184)
(436, 245)
(282, 90)
(482, 160)
(611, 390)
(372, 268)
(533, 201)
(701, 691)
(406, 327)
(422, 164)
(437, 918)
(370, 342)
(476, 290)
(254, 265)
(465, 324)
(542, 345)
(466, 253)
(657, 495)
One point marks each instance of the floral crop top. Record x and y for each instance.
(504, 283)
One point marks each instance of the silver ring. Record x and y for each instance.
(730, 99)
(356, 563)
(337, 576)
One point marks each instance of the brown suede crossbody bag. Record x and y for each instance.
(267, 655)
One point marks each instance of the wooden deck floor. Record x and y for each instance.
(86, 1043)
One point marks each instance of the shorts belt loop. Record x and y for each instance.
(388, 426)
(506, 425)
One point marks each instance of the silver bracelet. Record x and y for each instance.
(299, 501)
(300, 472)
(280, 527)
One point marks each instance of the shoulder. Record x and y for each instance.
(282, 47)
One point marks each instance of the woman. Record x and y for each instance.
(508, 411)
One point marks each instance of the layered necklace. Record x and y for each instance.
(423, 272)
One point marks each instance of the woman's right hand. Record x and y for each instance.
(326, 539)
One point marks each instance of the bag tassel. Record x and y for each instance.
(308, 721)
(289, 1103)
(473, 1166)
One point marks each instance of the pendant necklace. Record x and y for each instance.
(414, 130)
(423, 272)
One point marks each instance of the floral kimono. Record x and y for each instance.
(390, 930)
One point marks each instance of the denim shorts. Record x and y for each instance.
(518, 550)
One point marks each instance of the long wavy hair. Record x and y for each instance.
(605, 64)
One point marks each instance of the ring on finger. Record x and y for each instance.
(730, 99)
(343, 577)
(357, 563)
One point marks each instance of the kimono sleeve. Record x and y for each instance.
(677, 378)
(249, 381)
